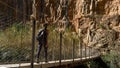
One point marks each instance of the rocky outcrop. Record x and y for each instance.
(92, 17)
(112, 7)
(99, 22)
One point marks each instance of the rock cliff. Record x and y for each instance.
(88, 17)
(97, 20)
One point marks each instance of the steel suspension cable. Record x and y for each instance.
(12, 8)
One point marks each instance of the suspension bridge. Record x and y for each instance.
(78, 54)
(86, 56)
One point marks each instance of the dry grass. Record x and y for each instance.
(15, 44)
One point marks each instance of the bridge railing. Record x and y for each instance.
(15, 40)
(63, 46)
(15, 43)
(16, 46)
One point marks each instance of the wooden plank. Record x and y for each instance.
(51, 63)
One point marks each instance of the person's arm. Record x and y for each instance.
(40, 33)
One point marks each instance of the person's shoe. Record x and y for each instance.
(37, 60)
(46, 61)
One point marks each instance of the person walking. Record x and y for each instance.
(42, 39)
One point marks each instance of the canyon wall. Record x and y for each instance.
(88, 17)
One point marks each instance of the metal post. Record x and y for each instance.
(81, 51)
(80, 48)
(92, 51)
(53, 54)
(73, 43)
(66, 8)
(60, 48)
(33, 42)
(85, 51)
(89, 52)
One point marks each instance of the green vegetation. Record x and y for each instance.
(112, 59)
(15, 44)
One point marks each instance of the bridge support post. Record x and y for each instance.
(73, 44)
(80, 49)
(85, 51)
(60, 56)
(33, 41)
(89, 52)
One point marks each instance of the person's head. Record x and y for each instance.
(45, 25)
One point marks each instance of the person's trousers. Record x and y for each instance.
(39, 50)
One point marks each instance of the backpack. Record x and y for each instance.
(40, 35)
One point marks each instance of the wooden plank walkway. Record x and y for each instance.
(50, 63)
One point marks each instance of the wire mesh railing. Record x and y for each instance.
(6, 21)
(15, 44)
(69, 47)
(16, 41)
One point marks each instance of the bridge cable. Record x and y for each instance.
(12, 8)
